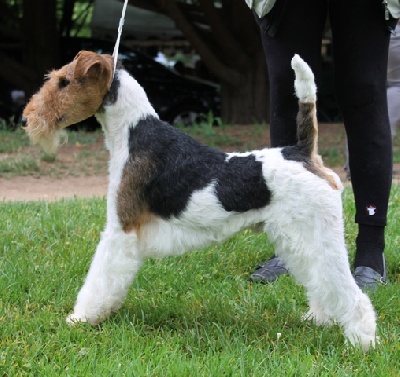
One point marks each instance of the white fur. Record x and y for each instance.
(304, 220)
(304, 84)
(51, 142)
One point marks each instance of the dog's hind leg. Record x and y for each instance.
(110, 275)
(322, 267)
(311, 244)
(337, 298)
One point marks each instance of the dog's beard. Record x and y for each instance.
(51, 142)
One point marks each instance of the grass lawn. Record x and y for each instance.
(86, 155)
(194, 315)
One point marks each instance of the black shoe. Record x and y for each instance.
(369, 279)
(269, 271)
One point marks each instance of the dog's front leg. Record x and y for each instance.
(111, 273)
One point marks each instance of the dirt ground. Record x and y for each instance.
(93, 182)
(47, 188)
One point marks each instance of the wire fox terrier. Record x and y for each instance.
(169, 194)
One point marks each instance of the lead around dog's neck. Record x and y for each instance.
(112, 95)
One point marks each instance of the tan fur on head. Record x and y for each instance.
(71, 94)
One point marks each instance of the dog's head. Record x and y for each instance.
(71, 94)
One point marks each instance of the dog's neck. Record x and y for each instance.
(123, 106)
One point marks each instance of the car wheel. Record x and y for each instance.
(186, 116)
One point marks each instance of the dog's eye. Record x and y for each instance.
(63, 83)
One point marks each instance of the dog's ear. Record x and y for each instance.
(79, 54)
(95, 66)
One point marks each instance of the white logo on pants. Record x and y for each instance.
(371, 209)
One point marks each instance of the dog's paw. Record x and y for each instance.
(366, 342)
(73, 319)
(318, 318)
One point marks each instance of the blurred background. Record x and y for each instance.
(192, 57)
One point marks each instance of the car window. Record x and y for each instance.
(137, 64)
(142, 65)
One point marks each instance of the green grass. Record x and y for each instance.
(211, 132)
(83, 155)
(194, 315)
(18, 158)
(396, 148)
(12, 141)
(21, 166)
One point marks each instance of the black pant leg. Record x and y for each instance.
(297, 29)
(360, 50)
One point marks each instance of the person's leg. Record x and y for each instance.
(299, 31)
(360, 82)
(297, 28)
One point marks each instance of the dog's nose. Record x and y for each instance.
(23, 121)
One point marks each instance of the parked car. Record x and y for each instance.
(177, 99)
(12, 101)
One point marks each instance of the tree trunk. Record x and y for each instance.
(234, 55)
(66, 22)
(40, 40)
(247, 103)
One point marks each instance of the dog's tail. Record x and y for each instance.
(306, 92)
(307, 124)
